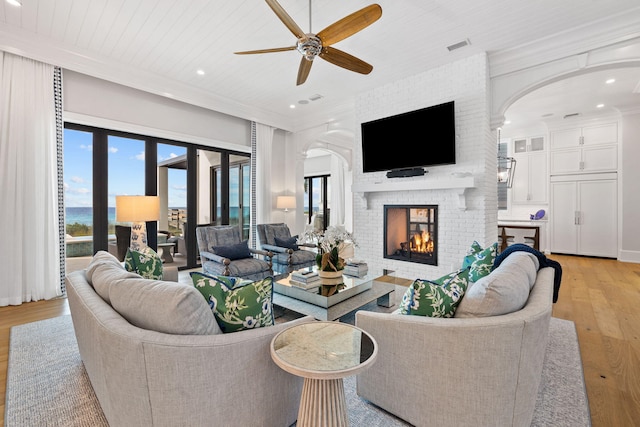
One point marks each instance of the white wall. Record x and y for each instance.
(92, 101)
(629, 181)
(465, 82)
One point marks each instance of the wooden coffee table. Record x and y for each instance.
(323, 353)
(358, 291)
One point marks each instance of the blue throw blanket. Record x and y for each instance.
(542, 259)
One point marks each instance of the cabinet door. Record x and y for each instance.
(566, 161)
(563, 218)
(600, 134)
(565, 138)
(537, 178)
(530, 178)
(600, 158)
(598, 225)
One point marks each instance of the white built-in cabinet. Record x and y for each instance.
(584, 149)
(583, 215)
(530, 177)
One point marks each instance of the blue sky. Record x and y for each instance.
(126, 169)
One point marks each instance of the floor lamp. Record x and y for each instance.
(286, 203)
(137, 210)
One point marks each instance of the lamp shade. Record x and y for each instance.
(137, 208)
(286, 202)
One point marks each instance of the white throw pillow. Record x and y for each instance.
(503, 291)
(168, 307)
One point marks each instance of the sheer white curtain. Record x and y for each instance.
(264, 144)
(30, 249)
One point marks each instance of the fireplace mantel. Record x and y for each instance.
(458, 184)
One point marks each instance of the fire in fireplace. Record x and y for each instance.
(411, 233)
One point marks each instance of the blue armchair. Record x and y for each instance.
(224, 253)
(288, 255)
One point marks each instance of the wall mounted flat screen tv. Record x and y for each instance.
(416, 139)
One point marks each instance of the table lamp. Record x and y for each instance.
(138, 210)
(286, 202)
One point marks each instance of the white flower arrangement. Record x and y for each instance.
(330, 244)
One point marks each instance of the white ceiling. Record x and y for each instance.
(157, 45)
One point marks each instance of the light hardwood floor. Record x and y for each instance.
(601, 296)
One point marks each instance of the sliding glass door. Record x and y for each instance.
(101, 163)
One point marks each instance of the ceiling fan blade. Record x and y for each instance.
(285, 18)
(303, 70)
(344, 60)
(277, 49)
(350, 24)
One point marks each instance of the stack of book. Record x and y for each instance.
(304, 278)
(355, 267)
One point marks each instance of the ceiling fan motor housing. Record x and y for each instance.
(309, 45)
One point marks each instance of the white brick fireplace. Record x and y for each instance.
(465, 193)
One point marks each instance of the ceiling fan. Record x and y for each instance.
(311, 45)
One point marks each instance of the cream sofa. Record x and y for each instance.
(480, 368)
(156, 357)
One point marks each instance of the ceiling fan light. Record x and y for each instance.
(309, 46)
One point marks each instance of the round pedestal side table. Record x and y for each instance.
(323, 353)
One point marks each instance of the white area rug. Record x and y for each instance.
(47, 384)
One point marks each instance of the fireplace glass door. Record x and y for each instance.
(411, 233)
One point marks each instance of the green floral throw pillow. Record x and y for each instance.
(437, 298)
(480, 260)
(237, 304)
(146, 262)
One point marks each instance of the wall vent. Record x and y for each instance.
(458, 45)
(567, 116)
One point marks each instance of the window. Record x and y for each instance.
(316, 201)
(502, 186)
(100, 164)
(232, 203)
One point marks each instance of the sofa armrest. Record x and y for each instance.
(215, 258)
(261, 252)
(277, 249)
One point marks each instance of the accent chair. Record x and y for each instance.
(288, 255)
(224, 253)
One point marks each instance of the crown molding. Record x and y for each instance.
(605, 32)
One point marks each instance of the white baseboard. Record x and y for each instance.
(629, 256)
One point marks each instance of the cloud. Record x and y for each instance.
(113, 149)
(140, 156)
(86, 147)
(171, 156)
(77, 179)
(179, 187)
(81, 190)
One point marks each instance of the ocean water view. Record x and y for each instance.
(84, 215)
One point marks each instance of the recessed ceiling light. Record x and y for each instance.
(292, 106)
(507, 122)
(200, 72)
(599, 105)
(609, 81)
(15, 2)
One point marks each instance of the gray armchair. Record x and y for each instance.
(286, 257)
(224, 253)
